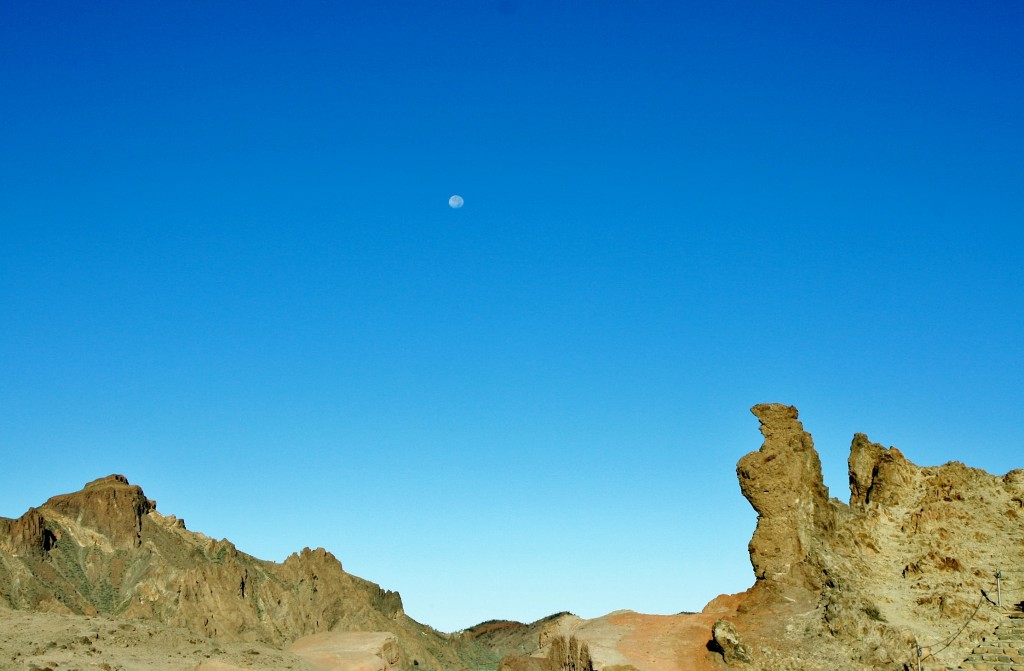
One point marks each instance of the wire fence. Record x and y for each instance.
(936, 648)
(1008, 597)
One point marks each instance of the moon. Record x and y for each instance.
(455, 202)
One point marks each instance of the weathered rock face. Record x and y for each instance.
(26, 536)
(110, 506)
(878, 474)
(837, 587)
(783, 483)
(619, 641)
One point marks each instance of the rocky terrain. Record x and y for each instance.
(100, 579)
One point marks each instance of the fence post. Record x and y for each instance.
(999, 588)
(918, 658)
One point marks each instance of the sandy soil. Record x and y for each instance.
(41, 641)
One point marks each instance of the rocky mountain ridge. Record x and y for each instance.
(106, 551)
(908, 565)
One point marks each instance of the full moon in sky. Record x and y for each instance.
(455, 202)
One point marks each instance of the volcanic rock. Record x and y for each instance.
(26, 536)
(110, 506)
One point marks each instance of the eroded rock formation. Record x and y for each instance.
(783, 483)
(860, 586)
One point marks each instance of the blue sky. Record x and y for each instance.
(229, 271)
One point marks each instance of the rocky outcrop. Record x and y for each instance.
(110, 506)
(855, 586)
(878, 474)
(570, 654)
(26, 536)
(783, 483)
(726, 640)
(620, 641)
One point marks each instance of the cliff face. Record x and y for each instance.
(106, 550)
